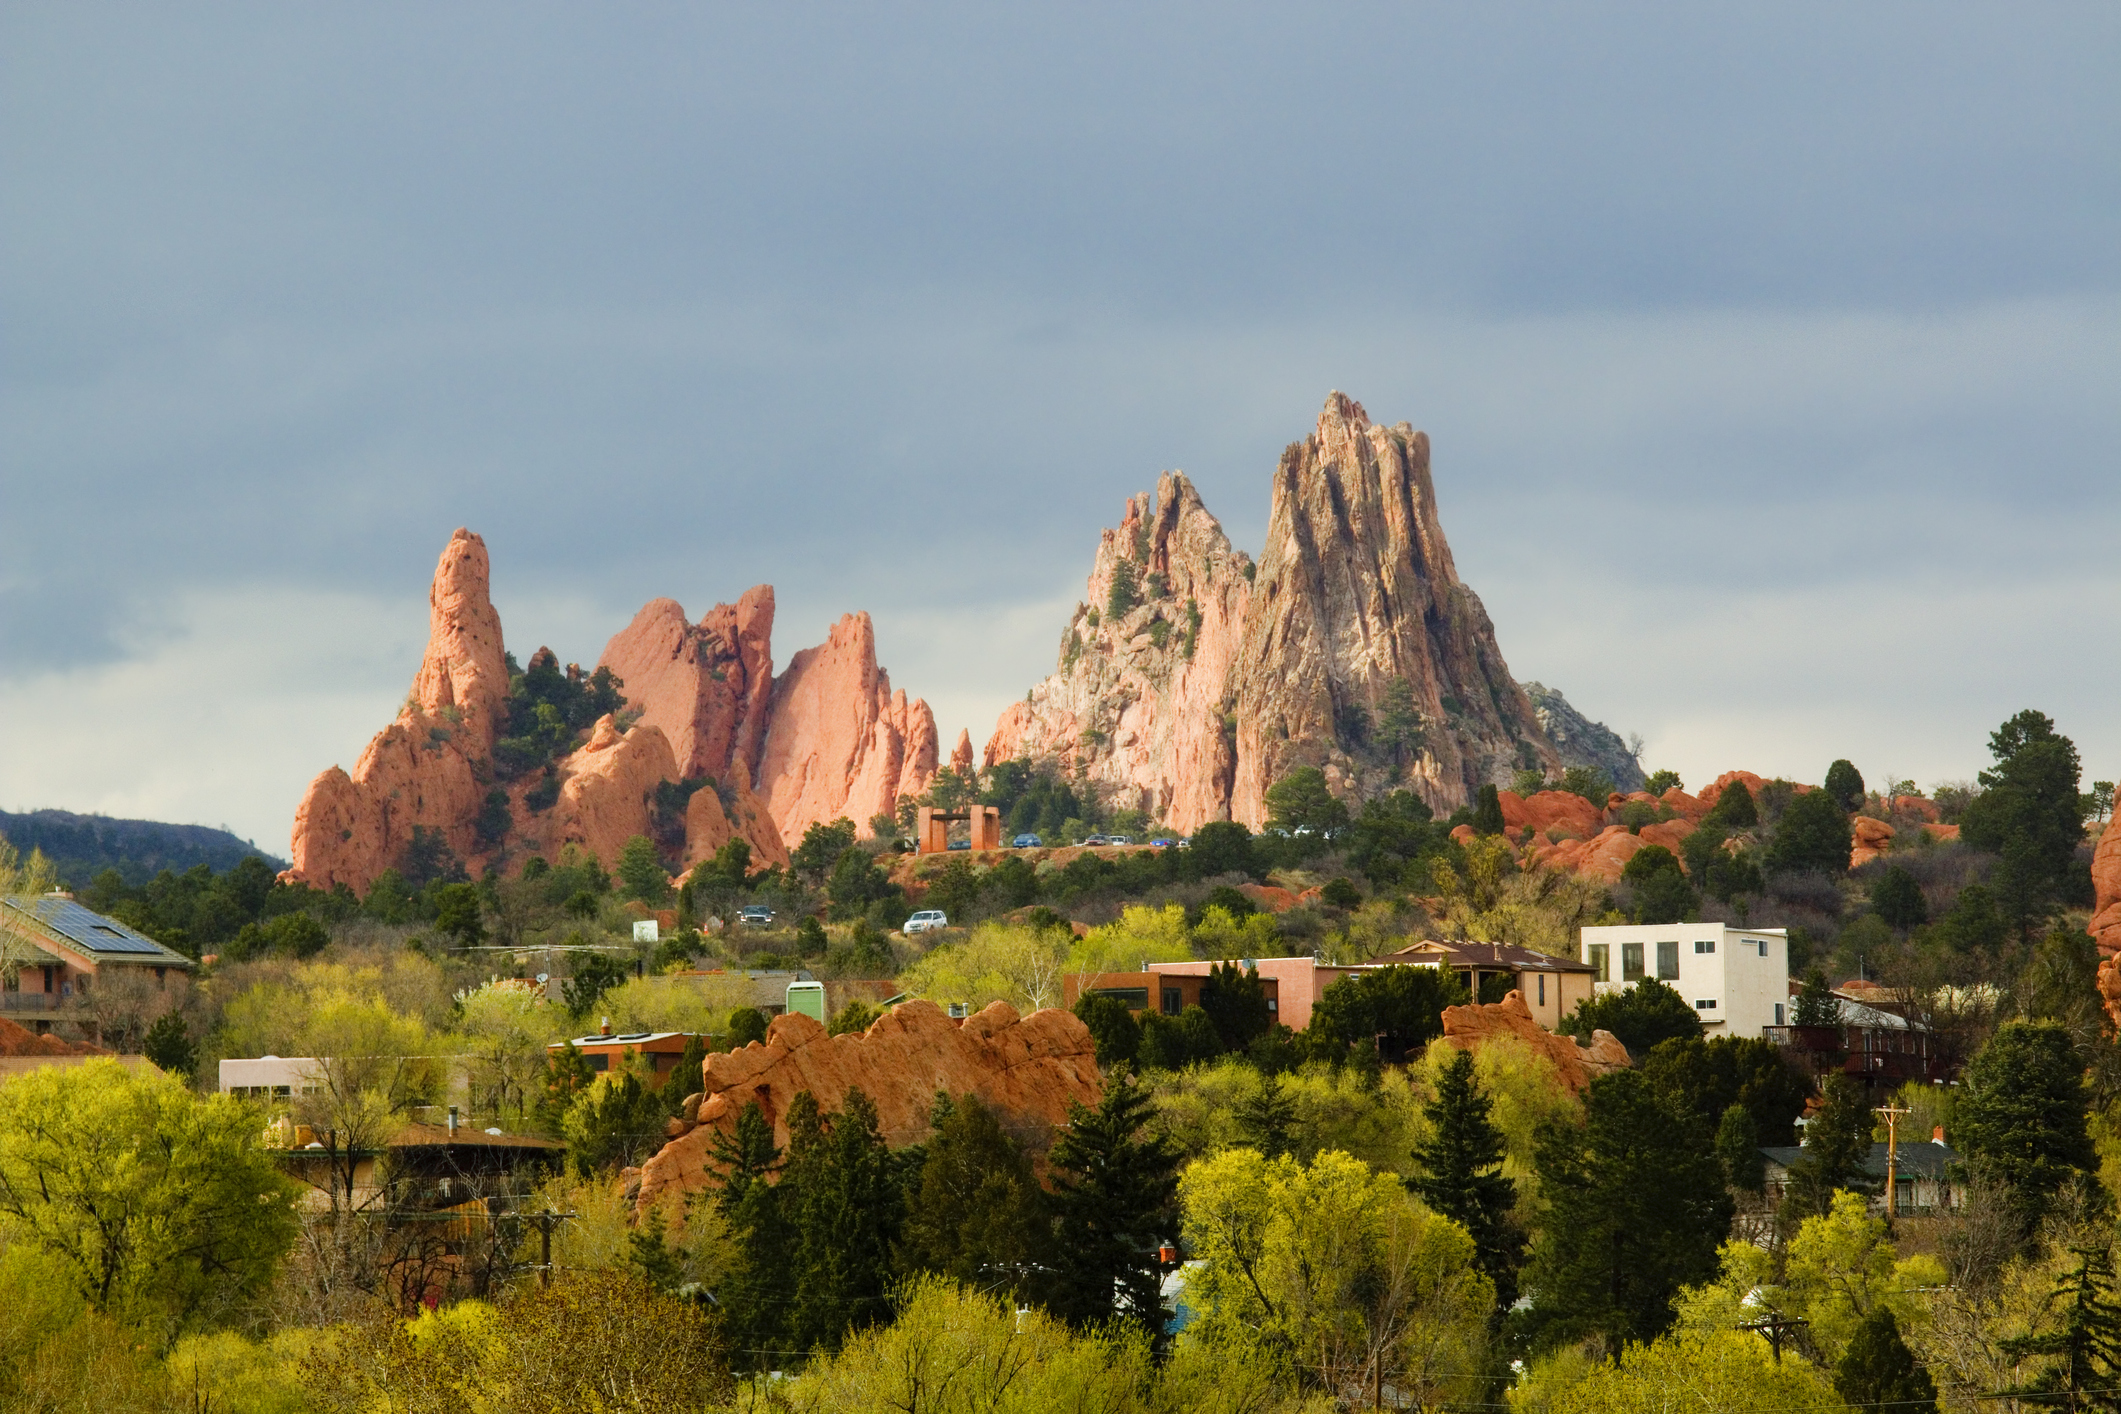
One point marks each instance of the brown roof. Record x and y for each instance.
(1495, 955)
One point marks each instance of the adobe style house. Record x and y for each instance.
(54, 952)
(1552, 987)
(661, 1049)
(1166, 992)
(1736, 979)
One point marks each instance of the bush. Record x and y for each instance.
(1812, 835)
(1639, 1016)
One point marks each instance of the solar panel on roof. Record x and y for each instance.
(91, 930)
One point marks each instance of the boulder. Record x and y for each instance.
(1919, 805)
(1691, 807)
(1669, 833)
(1551, 809)
(1870, 839)
(1941, 832)
(1031, 1068)
(1469, 1027)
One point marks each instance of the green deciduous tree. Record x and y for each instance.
(2020, 1116)
(1634, 1209)
(163, 1208)
(1813, 834)
(1461, 1176)
(1111, 1204)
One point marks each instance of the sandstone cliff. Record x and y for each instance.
(1030, 1068)
(1352, 646)
(828, 737)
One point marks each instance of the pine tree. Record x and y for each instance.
(1738, 1146)
(170, 1046)
(1837, 1144)
(2087, 1348)
(2020, 1119)
(1636, 1209)
(1878, 1371)
(1735, 807)
(974, 1212)
(755, 1296)
(687, 1078)
(1487, 813)
(1462, 1176)
(1816, 1004)
(649, 1256)
(1845, 784)
(1112, 1204)
(1268, 1120)
(567, 1074)
(846, 1213)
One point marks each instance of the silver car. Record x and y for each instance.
(925, 921)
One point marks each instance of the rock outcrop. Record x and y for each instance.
(839, 741)
(1472, 1026)
(1192, 680)
(1138, 704)
(1031, 1068)
(828, 737)
(2106, 914)
(1868, 839)
(427, 768)
(1581, 741)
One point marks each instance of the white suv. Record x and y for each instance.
(926, 921)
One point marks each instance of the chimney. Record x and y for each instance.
(452, 1121)
(605, 1029)
(1937, 1135)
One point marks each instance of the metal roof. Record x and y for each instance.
(1923, 1158)
(90, 931)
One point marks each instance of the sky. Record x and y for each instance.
(1771, 355)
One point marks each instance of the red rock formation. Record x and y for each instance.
(2106, 908)
(425, 768)
(1551, 810)
(706, 686)
(709, 824)
(606, 787)
(1470, 1027)
(961, 754)
(839, 741)
(1870, 839)
(1919, 805)
(1032, 1067)
(1190, 704)
(1137, 702)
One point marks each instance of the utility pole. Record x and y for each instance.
(1892, 1115)
(1775, 1327)
(546, 1221)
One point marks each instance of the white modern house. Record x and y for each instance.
(1738, 979)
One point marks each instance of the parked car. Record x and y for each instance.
(1095, 840)
(754, 915)
(1119, 839)
(1163, 842)
(925, 921)
(961, 844)
(1026, 842)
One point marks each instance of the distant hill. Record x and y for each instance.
(83, 846)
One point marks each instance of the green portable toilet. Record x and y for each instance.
(808, 998)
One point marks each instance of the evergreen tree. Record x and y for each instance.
(1111, 1204)
(1487, 813)
(1662, 893)
(688, 1077)
(1735, 807)
(1837, 1145)
(2020, 1116)
(1845, 784)
(1640, 1016)
(1236, 1001)
(1112, 1026)
(1703, 1078)
(746, 1024)
(1897, 900)
(567, 1074)
(756, 1295)
(1816, 1003)
(170, 1046)
(1878, 1371)
(1636, 1208)
(1267, 1120)
(1813, 834)
(2086, 1349)
(1738, 1146)
(640, 871)
(846, 1212)
(1391, 1010)
(649, 1256)
(1462, 1176)
(974, 1213)
(2031, 817)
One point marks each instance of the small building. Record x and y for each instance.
(1922, 1175)
(1737, 979)
(1297, 982)
(420, 1168)
(59, 948)
(662, 1049)
(271, 1077)
(1165, 992)
(1552, 987)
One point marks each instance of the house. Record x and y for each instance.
(53, 951)
(1922, 1174)
(663, 1049)
(1167, 992)
(270, 1077)
(420, 1168)
(1738, 979)
(1297, 982)
(1552, 987)
(1882, 1048)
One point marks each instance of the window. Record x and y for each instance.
(1174, 1001)
(1601, 971)
(1132, 998)
(1668, 961)
(1702, 945)
(1707, 1004)
(1542, 989)
(1778, 1014)
(598, 1062)
(1631, 962)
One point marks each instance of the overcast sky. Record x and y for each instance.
(1771, 356)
